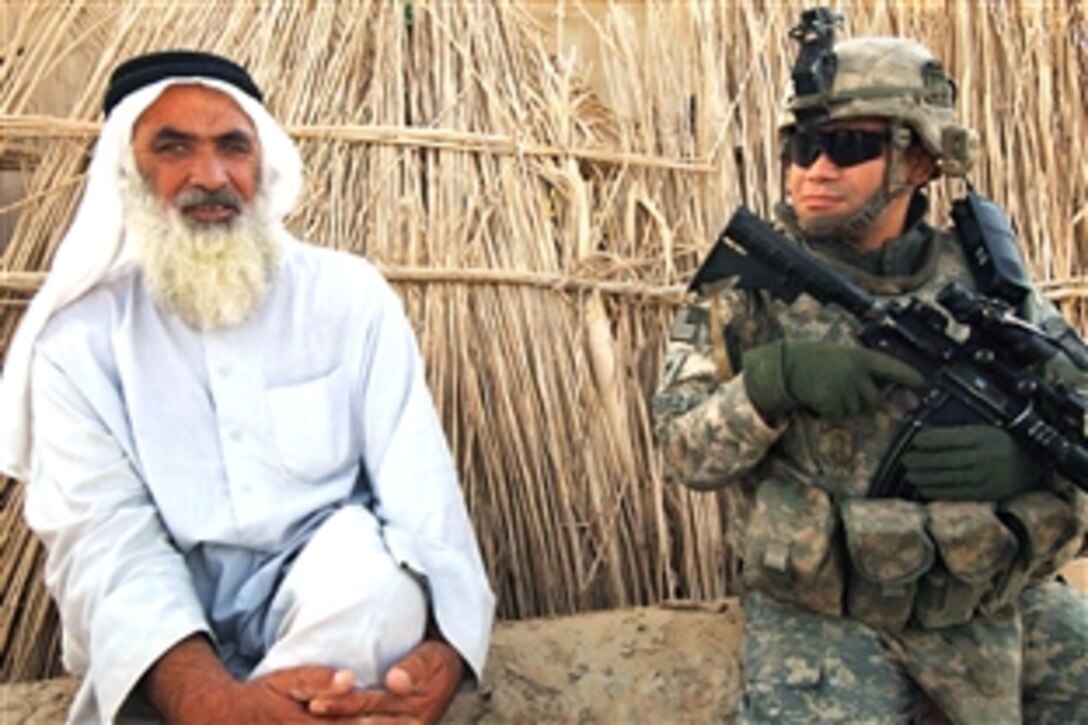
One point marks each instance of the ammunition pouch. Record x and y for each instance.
(899, 562)
(889, 551)
(790, 550)
(1044, 523)
(975, 547)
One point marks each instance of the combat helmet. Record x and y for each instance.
(894, 78)
(884, 77)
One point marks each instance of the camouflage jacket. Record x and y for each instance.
(712, 437)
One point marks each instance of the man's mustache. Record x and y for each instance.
(225, 197)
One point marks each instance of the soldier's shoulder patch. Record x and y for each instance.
(666, 403)
(674, 362)
(688, 325)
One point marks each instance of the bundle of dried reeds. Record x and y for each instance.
(539, 186)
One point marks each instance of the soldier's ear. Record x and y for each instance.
(921, 166)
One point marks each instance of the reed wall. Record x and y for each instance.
(538, 180)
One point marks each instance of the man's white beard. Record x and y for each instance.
(210, 276)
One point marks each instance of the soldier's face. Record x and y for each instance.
(199, 153)
(826, 190)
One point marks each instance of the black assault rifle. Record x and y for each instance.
(987, 377)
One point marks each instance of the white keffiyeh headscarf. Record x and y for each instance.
(95, 248)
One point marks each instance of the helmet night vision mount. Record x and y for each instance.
(876, 77)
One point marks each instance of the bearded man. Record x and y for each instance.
(248, 503)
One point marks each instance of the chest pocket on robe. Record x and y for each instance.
(312, 425)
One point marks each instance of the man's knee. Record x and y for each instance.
(802, 666)
(345, 603)
(375, 592)
(345, 574)
(1055, 674)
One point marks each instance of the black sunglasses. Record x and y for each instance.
(844, 147)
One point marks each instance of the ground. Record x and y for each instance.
(675, 664)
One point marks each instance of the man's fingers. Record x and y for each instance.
(887, 368)
(984, 438)
(374, 702)
(870, 396)
(948, 493)
(951, 461)
(417, 688)
(307, 682)
(420, 665)
(399, 681)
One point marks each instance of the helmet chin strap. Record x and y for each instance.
(852, 228)
(839, 228)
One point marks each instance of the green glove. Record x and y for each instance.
(833, 381)
(969, 463)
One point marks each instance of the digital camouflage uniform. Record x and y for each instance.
(809, 584)
(872, 609)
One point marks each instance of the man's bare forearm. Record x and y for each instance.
(188, 680)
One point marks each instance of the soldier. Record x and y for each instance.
(867, 609)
